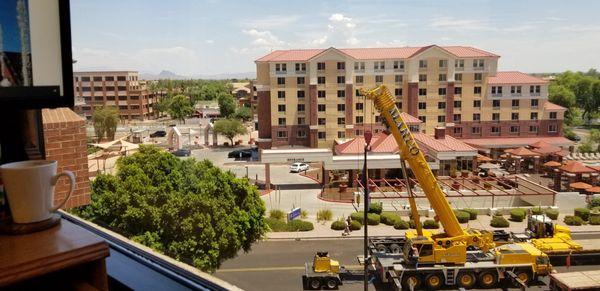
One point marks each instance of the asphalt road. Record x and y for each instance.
(279, 265)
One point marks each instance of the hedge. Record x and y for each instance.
(338, 225)
(552, 214)
(537, 210)
(401, 224)
(373, 219)
(499, 221)
(517, 214)
(594, 203)
(573, 220)
(431, 224)
(584, 213)
(472, 213)
(358, 216)
(355, 225)
(276, 214)
(276, 225)
(300, 225)
(595, 220)
(462, 216)
(376, 208)
(389, 218)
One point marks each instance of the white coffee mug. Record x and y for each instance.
(29, 187)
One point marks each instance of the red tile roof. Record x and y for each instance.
(447, 144)
(522, 152)
(373, 53)
(513, 142)
(576, 168)
(552, 106)
(513, 77)
(409, 119)
(383, 143)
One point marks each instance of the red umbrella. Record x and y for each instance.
(595, 189)
(580, 185)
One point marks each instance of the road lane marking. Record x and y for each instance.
(267, 269)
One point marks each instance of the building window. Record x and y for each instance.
(122, 88)
(300, 93)
(321, 107)
(497, 90)
(514, 116)
(496, 104)
(280, 81)
(109, 88)
(122, 98)
(495, 130)
(478, 63)
(97, 88)
(109, 78)
(280, 67)
(422, 64)
(534, 89)
(341, 107)
(98, 98)
(477, 103)
(398, 65)
(423, 118)
(459, 64)
(320, 80)
(321, 66)
(281, 121)
(85, 79)
(359, 119)
(533, 128)
(281, 107)
(457, 104)
(97, 79)
(301, 107)
(341, 65)
(321, 121)
(378, 119)
(359, 66)
(121, 107)
(443, 63)
(534, 103)
(359, 106)
(321, 93)
(515, 90)
(280, 94)
(398, 91)
(300, 67)
(379, 79)
(553, 115)
(422, 105)
(442, 91)
(495, 116)
(515, 103)
(341, 93)
(341, 134)
(458, 131)
(514, 129)
(552, 128)
(300, 80)
(442, 77)
(476, 130)
(357, 93)
(301, 134)
(458, 77)
(134, 97)
(456, 117)
(457, 90)
(422, 91)
(281, 134)
(476, 117)
(533, 116)
(477, 90)
(359, 79)
(478, 76)
(341, 121)
(110, 98)
(321, 135)
(399, 105)
(379, 65)
(398, 78)
(441, 105)
(341, 79)
(121, 78)
(301, 120)
(441, 118)
(422, 77)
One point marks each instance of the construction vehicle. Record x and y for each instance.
(549, 237)
(323, 272)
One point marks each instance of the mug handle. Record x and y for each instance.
(71, 177)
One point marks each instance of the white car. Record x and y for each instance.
(298, 167)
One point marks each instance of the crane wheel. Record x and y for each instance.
(524, 276)
(487, 279)
(433, 281)
(466, 280)
(411, 281)
(382, 248)
(314, 283)
(331, 283)
(395, 248)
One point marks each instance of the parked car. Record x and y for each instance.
(182, 153)
(241, 153)
(299, 167)
(574, 138)
(158, 133)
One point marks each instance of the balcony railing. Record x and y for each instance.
(280, 72)
(301, 72)
(496, 94)
(459, 69)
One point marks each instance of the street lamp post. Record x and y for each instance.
(365, 180)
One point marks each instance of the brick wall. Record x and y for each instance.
(65, 141)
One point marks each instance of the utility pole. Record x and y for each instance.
(365, 181)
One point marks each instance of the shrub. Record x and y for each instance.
(573, 220)
(276, 225)
(376, 208)
(303, 214)
(499, 221)
(537, 210)
(431, 224)
(594, 203)
(338, 225)
(462, 216)
(300, 225)
(373, 219)
(277, 214)
(584, 213)
(472, 213)
(552, 214)
(324, 215)
(355, 225)
(517, 214)
(358, 217)
(595, 220)
(401, 224)
(389, 218)
(498, 213)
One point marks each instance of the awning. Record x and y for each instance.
(576, 168)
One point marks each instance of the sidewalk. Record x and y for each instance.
(323, 229)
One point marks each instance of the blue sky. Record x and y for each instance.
(215, 36)
(8, 22)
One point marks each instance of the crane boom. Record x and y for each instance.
(410, 152)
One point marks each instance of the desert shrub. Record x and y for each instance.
(324, 215)
(300, 225)
(472, 213)
(338, 225)
(358, 217)
(499, 221)
(373, 219)
(389, 218)
(277, 214)
(376, 208)
(517, 214)
(355, 225)
(401, 224)
(303, 214)
(584, 213)
(462, 216)
(552, 214)
(594, 203)
(594, 220)
(431, 224)
(537, 210)
(276, 225)
(573, 220)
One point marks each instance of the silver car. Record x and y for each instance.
(299, 167)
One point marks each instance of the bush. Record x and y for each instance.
(517, 214)
(552, 214)
(472, 213)
(303, 214)
(338, 225)
(358, 216)
(584, 213)
(389, 218)
(276, 225)
(462, 216)
(573, 220)
(300, 225)
(431, 224)
(401, 224)
(499, 221)
(324, 215)
(594, 220)
(537, 210)
(594, 203)
(373, 219)
(498, 213)
(376, 208)
(277, 214)
(355, 225)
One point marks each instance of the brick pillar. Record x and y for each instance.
(325, 176)
(264, 118)
(450, 102)
(349, 110)
(413, 99)
(312, 116)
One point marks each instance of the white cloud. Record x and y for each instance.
(271, 21)
(264, 38)
(448, 23)
(209, 41)
(341, 30)
(338, 17)
(319, 41)
(579, 28)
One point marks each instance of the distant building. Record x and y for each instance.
(207, 109)
(122, 89)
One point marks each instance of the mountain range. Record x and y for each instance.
(165, 74)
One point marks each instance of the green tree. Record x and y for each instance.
(180, 107)
(226, 104)
(244, 113)
(595, 138)
(585, 147)
(230, 128)
(105, 121)
(189, 210)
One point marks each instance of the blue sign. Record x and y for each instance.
(295, 213)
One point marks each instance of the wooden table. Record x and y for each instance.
(65, 256)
